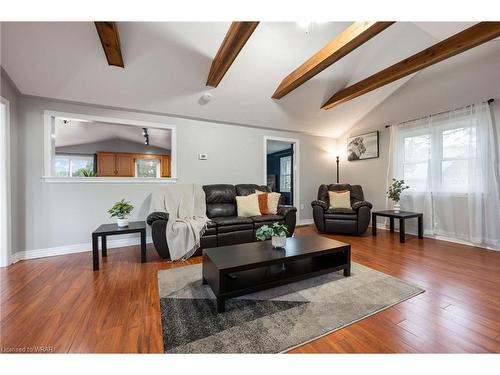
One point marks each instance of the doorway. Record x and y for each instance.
(4, 183)
(281, 172)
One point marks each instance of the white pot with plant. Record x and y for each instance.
(121, 210)
(394, 192)
(276, 233)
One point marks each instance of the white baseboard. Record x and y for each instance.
(73, 249)
(437, 237)
(305, 222)
(84, 247)
(131, 241)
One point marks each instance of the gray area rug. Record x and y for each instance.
(274, 320)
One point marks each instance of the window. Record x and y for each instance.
(439, 157)
(147, 168)
(73, 165)
(286, 174)
(416, 160)
(458, 147)
(449, 162)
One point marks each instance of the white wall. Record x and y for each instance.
(8, 92)
(447, 85)
(61, 214)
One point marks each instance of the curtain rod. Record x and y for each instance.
(489, 101)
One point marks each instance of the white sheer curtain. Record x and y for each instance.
(449, 161)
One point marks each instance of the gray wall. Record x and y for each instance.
(112, 145)
(59, 214)
(9, 92)
(444, 86)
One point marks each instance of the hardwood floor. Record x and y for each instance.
(61, 304)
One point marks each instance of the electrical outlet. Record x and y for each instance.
(302, 206)
(202, 157)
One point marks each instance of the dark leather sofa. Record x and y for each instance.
(352, 220)
(225, 227)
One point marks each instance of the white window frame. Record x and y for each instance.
(49, 149)
(74, 157)
(158, 168)
(5, 189)
(283, 160)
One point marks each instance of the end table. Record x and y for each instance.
(402, 216)
(111, 230)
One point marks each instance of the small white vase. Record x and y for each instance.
(397, 207)
(122, 222)
(278, 242)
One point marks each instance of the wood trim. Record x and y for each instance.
(235, 39)
(348, 40)
(458, 43)
(110, 40)
(148, 156)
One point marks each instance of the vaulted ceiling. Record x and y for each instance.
(167, 64)
(77, 132)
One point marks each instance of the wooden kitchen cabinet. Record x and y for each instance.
(121, 164)
(106, 166)
(165, 166)
(112, 164)
(125, 165)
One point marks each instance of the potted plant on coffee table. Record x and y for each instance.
(121, 210)
(394, 192)
(276, 232)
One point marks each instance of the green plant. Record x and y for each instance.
(88, 172)
(265, 232)
(121, 209)
(396, 188)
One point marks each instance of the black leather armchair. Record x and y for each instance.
(354, 220)
(225, 227)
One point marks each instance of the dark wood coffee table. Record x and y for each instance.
(402, 216)
(235, 270)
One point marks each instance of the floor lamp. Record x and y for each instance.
(337, 169)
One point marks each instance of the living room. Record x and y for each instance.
(297, 187)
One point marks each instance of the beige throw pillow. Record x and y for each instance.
(340, 199)
(273, 200)
(248, 205)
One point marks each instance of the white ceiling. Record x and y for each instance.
(166, 67)
(76, 133)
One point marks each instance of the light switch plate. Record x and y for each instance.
(202, 157)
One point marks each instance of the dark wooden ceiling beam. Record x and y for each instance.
(235, 39)
(348, 40)
(110, 40)
(458, 43)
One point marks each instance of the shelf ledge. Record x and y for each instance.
(109, 180)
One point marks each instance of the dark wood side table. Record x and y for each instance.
(402, 216)
(112, 230)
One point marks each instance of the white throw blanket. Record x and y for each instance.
(185, 205)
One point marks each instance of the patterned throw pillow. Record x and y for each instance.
(248, 205)
(340, 199)
(273, 200)
(264, 209)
